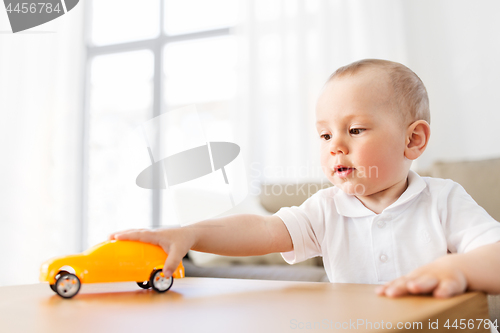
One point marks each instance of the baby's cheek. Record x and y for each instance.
(367, 166)
(326, 168)
(376, 163)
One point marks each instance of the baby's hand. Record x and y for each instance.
(174, 241)
(442, 278)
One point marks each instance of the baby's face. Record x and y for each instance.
(362, 138)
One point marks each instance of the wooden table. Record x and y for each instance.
(230, 305)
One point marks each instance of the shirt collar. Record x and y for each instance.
(349, 206)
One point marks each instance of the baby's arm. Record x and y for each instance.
(237, 235)
(452, 275)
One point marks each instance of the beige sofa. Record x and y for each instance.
(481, 179)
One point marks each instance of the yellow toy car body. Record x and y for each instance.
(110, 261)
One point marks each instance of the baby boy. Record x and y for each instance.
(381, 223)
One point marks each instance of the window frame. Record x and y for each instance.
(156, 46)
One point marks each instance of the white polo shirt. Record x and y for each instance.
(359, 246)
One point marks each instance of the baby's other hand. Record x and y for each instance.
(442, 277)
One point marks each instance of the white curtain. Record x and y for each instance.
(288, 50)
(41, 90)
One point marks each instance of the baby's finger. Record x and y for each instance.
(397, 288)
(448, 288)
(114, 234)
(422, 284)
(175, 256)
(380, 290)
(141, 235)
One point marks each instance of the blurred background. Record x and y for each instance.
(72, 89)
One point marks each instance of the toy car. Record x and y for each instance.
(110, 261)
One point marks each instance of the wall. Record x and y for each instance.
(454, 47)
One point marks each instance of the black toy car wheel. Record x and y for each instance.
(67, 285)
(58, 275)
(144, 285)
(159, 282)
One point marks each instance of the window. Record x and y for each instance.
(154, 56)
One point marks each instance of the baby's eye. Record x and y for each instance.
(325, 136)
(356, 131)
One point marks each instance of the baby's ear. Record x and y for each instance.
(417, 137)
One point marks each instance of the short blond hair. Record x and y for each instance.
(409, 91)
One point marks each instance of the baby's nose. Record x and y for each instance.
(338, 149)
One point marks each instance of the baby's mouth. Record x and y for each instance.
(342, 168)
(343, 171)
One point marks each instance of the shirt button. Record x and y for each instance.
(383, 258)
(381, 224)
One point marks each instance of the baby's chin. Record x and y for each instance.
(350, 188)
